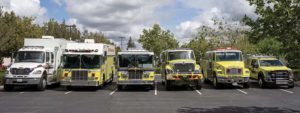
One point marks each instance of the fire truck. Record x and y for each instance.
(36, 64)
(225, 66)
(87, 64)
(135, 67)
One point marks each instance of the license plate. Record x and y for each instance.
(234, 83)
(281, 82)
(19, 80)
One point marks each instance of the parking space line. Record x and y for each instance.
(155, 90)
(22, 92)
(287, 91)
(198, 91)
(67, 92)
(242, 91)
(111, 93)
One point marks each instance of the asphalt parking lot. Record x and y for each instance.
(139, 100)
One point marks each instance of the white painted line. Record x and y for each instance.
(287, 91)
(67, 92)
(22, 92)
(242, 91)
(155, 90)
(111, 93)
(198, 91)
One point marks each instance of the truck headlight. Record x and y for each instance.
(169, 71)
(197, 71)
(37, 72)
(124, 74)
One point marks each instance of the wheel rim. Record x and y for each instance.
(44, 83)
(260, 82)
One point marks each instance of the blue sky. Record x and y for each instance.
(121, 18)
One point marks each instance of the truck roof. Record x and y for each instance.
(135, 52)
(180, 49)
(42, 44)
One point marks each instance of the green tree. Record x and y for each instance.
(270, 46)
(130, 43)
(157, 40)
(279, 19)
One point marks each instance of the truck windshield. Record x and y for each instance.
(71, 61)
(141, 61)
(270, 63)
(228, 56)
(181, 55)
(90, 61)
(30, 56)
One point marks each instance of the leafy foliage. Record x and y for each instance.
(157, 40)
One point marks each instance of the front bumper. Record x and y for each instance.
(278, 82)
(135, 82)
(79, 83)
(21, 81)
(238, 80)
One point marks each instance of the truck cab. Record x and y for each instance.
(179, 68)
(35, 64)
(269, 71)
(87, 64)
(225, 66)
(135, 67)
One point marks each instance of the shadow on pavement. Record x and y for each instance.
(234, 109)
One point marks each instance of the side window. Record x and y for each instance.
(254, 64)
(47, 57)
(52, 57)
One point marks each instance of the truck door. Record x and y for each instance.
(50, 63)
(210, 65)
(254, 69)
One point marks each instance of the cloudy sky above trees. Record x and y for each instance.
(125, 18)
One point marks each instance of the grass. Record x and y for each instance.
(296, 74)
(1, 77)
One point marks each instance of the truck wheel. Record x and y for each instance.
(215, 83)
(291, 85)
(120, 87)
(163, 83)
(42, 85)
(168, 85)
(69, 88)
(261, 82)
(8, 87)
(206, 81)
(199, 85)
(246, 85)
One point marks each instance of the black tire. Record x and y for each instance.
(163, 82)
(198, 85)
(8, 87)
(168, 85)
(42, 85)
(206, 81)
(69, 88)
(246, 85)
(215, 83)
(120, 87)
(291, 85)
(261, 82)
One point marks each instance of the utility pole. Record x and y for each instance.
(121, 46)
(70, 30)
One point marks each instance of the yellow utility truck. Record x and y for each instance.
(179, 68)
(87, 64)
(135, 67)
(269, 71)
(225, 66)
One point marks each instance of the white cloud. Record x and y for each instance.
(115, 18)
(228, 10)
(29, 8)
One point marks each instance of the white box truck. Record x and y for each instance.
(36, 63)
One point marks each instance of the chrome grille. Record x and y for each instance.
(234, 71)
(184, 67)
(279, 74)
(79, 75)
(135, 74)
(20, 71)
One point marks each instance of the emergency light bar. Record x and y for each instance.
(81, 50)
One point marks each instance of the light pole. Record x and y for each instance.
(121, 46)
